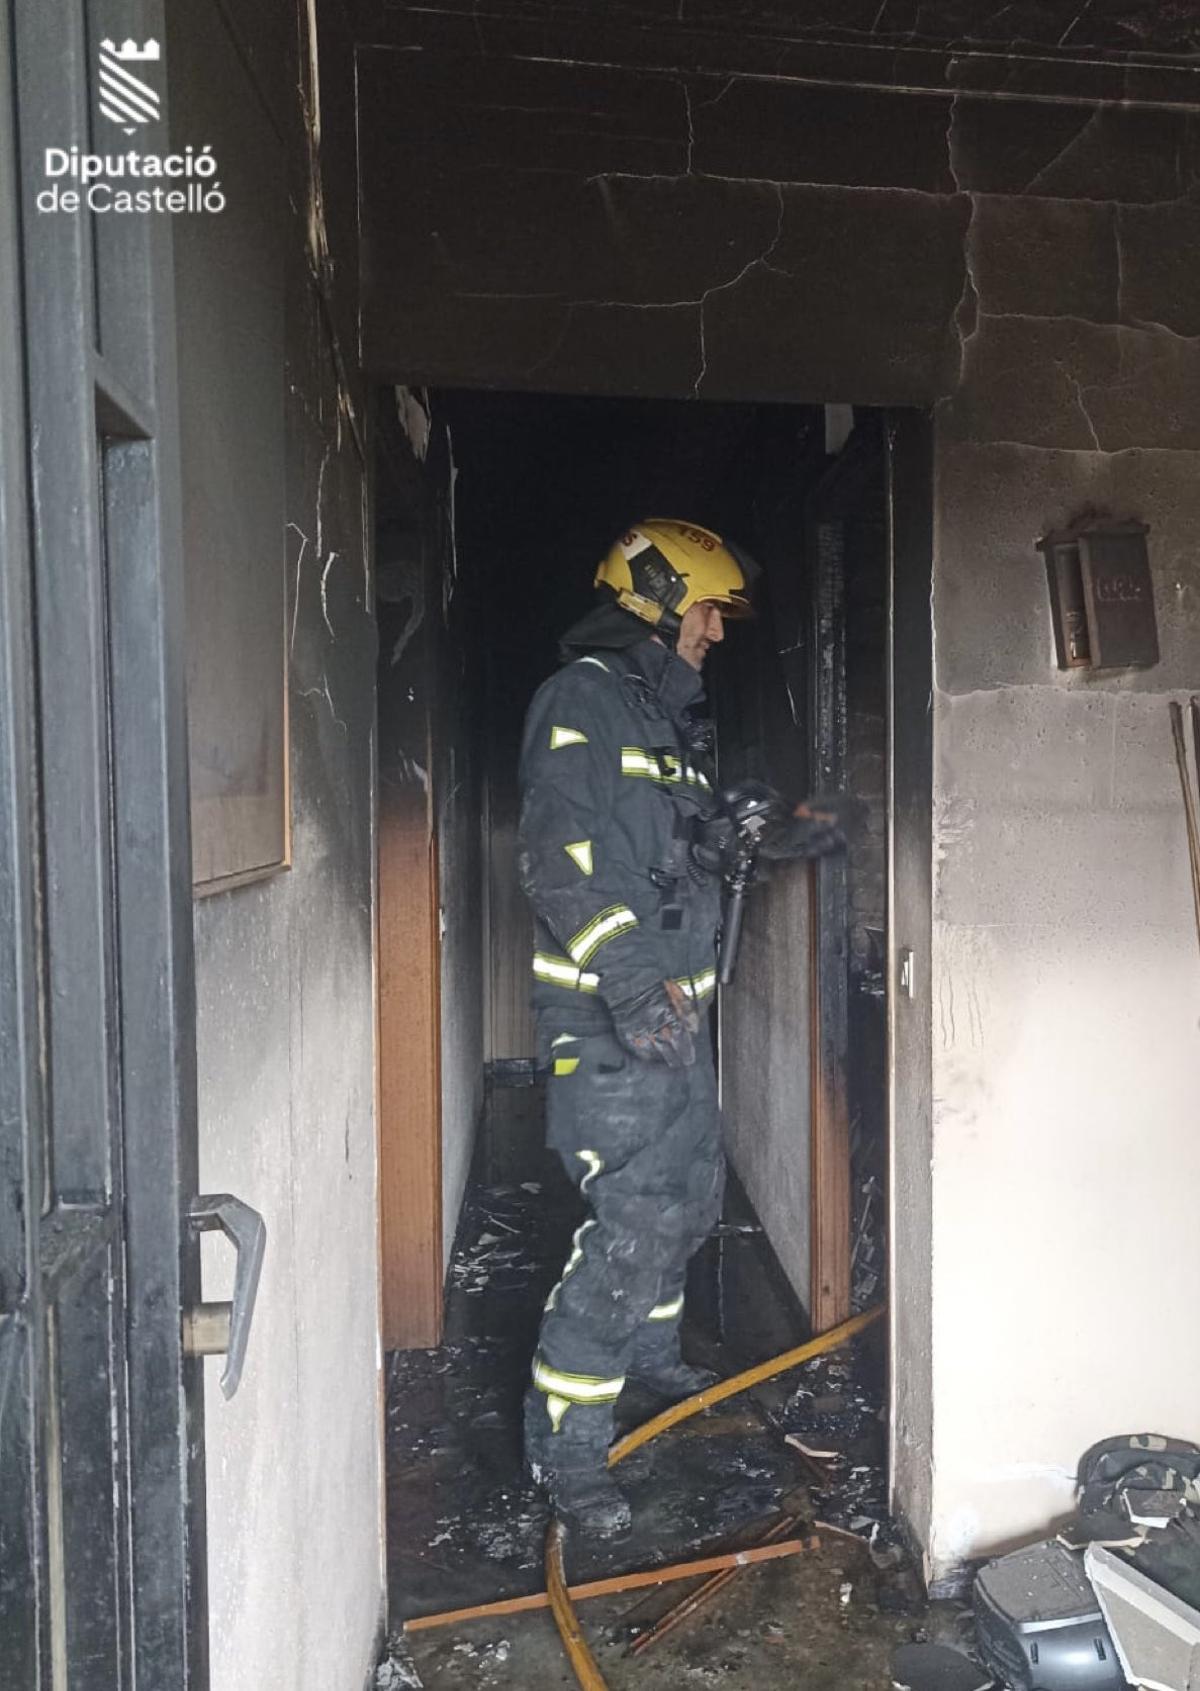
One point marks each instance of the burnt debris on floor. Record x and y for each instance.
(465, 1527)
(796, 1460)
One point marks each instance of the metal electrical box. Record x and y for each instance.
(1039, 1626)
(1101, 595)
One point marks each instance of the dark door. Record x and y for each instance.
(803, 706)
(100, 1494)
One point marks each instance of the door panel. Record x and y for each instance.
(100, 1503)
(410, 1088)
(766, 1060)
(783, 718)
(430, 916)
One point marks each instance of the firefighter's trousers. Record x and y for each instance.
(643, 1144)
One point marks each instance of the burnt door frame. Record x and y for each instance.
(101, 1438)
(413, 544)
(865, 456)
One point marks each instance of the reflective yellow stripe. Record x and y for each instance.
(667, 1311)
(566, 737)
(698, 986)
(576, 1388)
(636, 760)
(615, 920)
(594, 1162)
(576, 1256)
(581, 853)
(572, 1262)
(566, 1065)
(556, 1408)
(562, 972)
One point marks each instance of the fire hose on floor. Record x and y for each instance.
(569, 1630)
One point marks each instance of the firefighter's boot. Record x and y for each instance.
(570, 1463)
(659, 1367)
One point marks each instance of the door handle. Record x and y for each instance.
(223, 1329)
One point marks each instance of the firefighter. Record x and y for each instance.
(622, 837)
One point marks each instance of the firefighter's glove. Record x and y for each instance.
(658, 1025)
(815, 828)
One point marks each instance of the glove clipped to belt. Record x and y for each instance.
(658, 1025)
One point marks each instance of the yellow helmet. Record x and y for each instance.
(659, 568)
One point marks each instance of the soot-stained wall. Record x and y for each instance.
(805, 207)
(284, 966)
(1064, 984)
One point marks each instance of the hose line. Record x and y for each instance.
(832, 1340)
(569, 1630)
(565, 1618)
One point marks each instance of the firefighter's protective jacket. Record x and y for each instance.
(611, 799)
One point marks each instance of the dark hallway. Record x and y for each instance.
(493, 510)
(490, 527)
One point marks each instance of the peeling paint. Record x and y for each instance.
(450, 559)
(310, 97)
(322, 692)
(329, 562)
(416, 419)
(296, 583)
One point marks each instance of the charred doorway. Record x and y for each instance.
(493, 511)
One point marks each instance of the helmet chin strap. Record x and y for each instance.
(666, 624)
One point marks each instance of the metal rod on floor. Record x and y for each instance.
(694, 1600)
(616, 1583)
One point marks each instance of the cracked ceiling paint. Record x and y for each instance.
(535, 220)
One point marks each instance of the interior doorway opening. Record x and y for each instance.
(493, 510)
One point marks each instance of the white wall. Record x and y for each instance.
(286, 1076)
(910, 1225)
(460, 875)
(294, 1461)
(1066, 1003)
(284, 967)
(766, 1066)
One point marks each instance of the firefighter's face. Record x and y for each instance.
(701, 627)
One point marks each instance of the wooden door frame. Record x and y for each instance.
(410, 1092)
(408, 916)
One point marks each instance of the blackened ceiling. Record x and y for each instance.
(769, 202)
(1123, 27)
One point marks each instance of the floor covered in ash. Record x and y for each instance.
(465, 1527)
